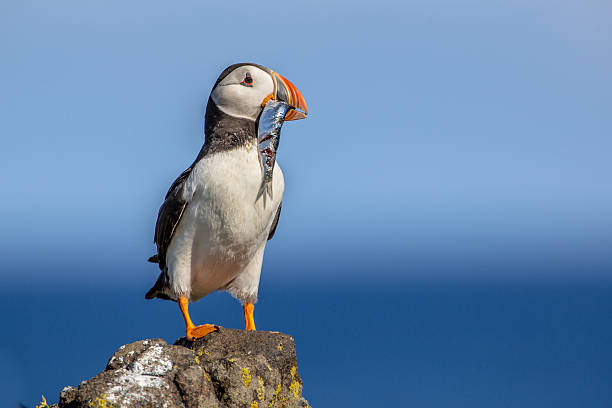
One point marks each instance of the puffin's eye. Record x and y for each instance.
(248, 80)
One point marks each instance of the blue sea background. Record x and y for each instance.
(447, 223)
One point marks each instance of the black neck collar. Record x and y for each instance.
(224, 132)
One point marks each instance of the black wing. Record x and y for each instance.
(170, 214)
(168, 218)
(275, 222)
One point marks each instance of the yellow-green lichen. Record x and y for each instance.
(254, 404)
(280, 347)
(261, 390)
(246, 376)
(278, 396)
(197, 357)
(43, 403)
(295, 388)
(100, 402)
(207, 376)
(278, 390)
(231, 360)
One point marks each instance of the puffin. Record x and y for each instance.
(213, 225)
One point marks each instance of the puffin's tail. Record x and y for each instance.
(160, 289)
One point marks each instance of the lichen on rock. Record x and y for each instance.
(227, 368)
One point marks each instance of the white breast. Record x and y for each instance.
(225, 226)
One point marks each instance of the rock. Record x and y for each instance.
(228, 368)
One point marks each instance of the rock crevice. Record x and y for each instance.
(228, 368)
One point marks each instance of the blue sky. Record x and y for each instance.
(446, 139)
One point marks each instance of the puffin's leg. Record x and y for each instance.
(248, 316)
(191, 330)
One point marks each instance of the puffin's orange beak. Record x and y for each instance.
(287, 92)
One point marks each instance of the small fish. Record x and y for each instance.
(268, 136)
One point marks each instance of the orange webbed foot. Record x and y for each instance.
(198, 332)
(192, 331)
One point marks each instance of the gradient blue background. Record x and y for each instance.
(450, 190)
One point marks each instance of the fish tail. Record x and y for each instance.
(265, 190)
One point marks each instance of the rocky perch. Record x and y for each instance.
(228, 368)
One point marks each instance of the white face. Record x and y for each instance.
(242, 92)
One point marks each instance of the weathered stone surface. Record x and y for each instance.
(228, 368)
(196, 388)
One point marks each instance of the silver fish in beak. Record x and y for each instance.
(268, 136)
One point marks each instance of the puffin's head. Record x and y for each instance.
(242, 90)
